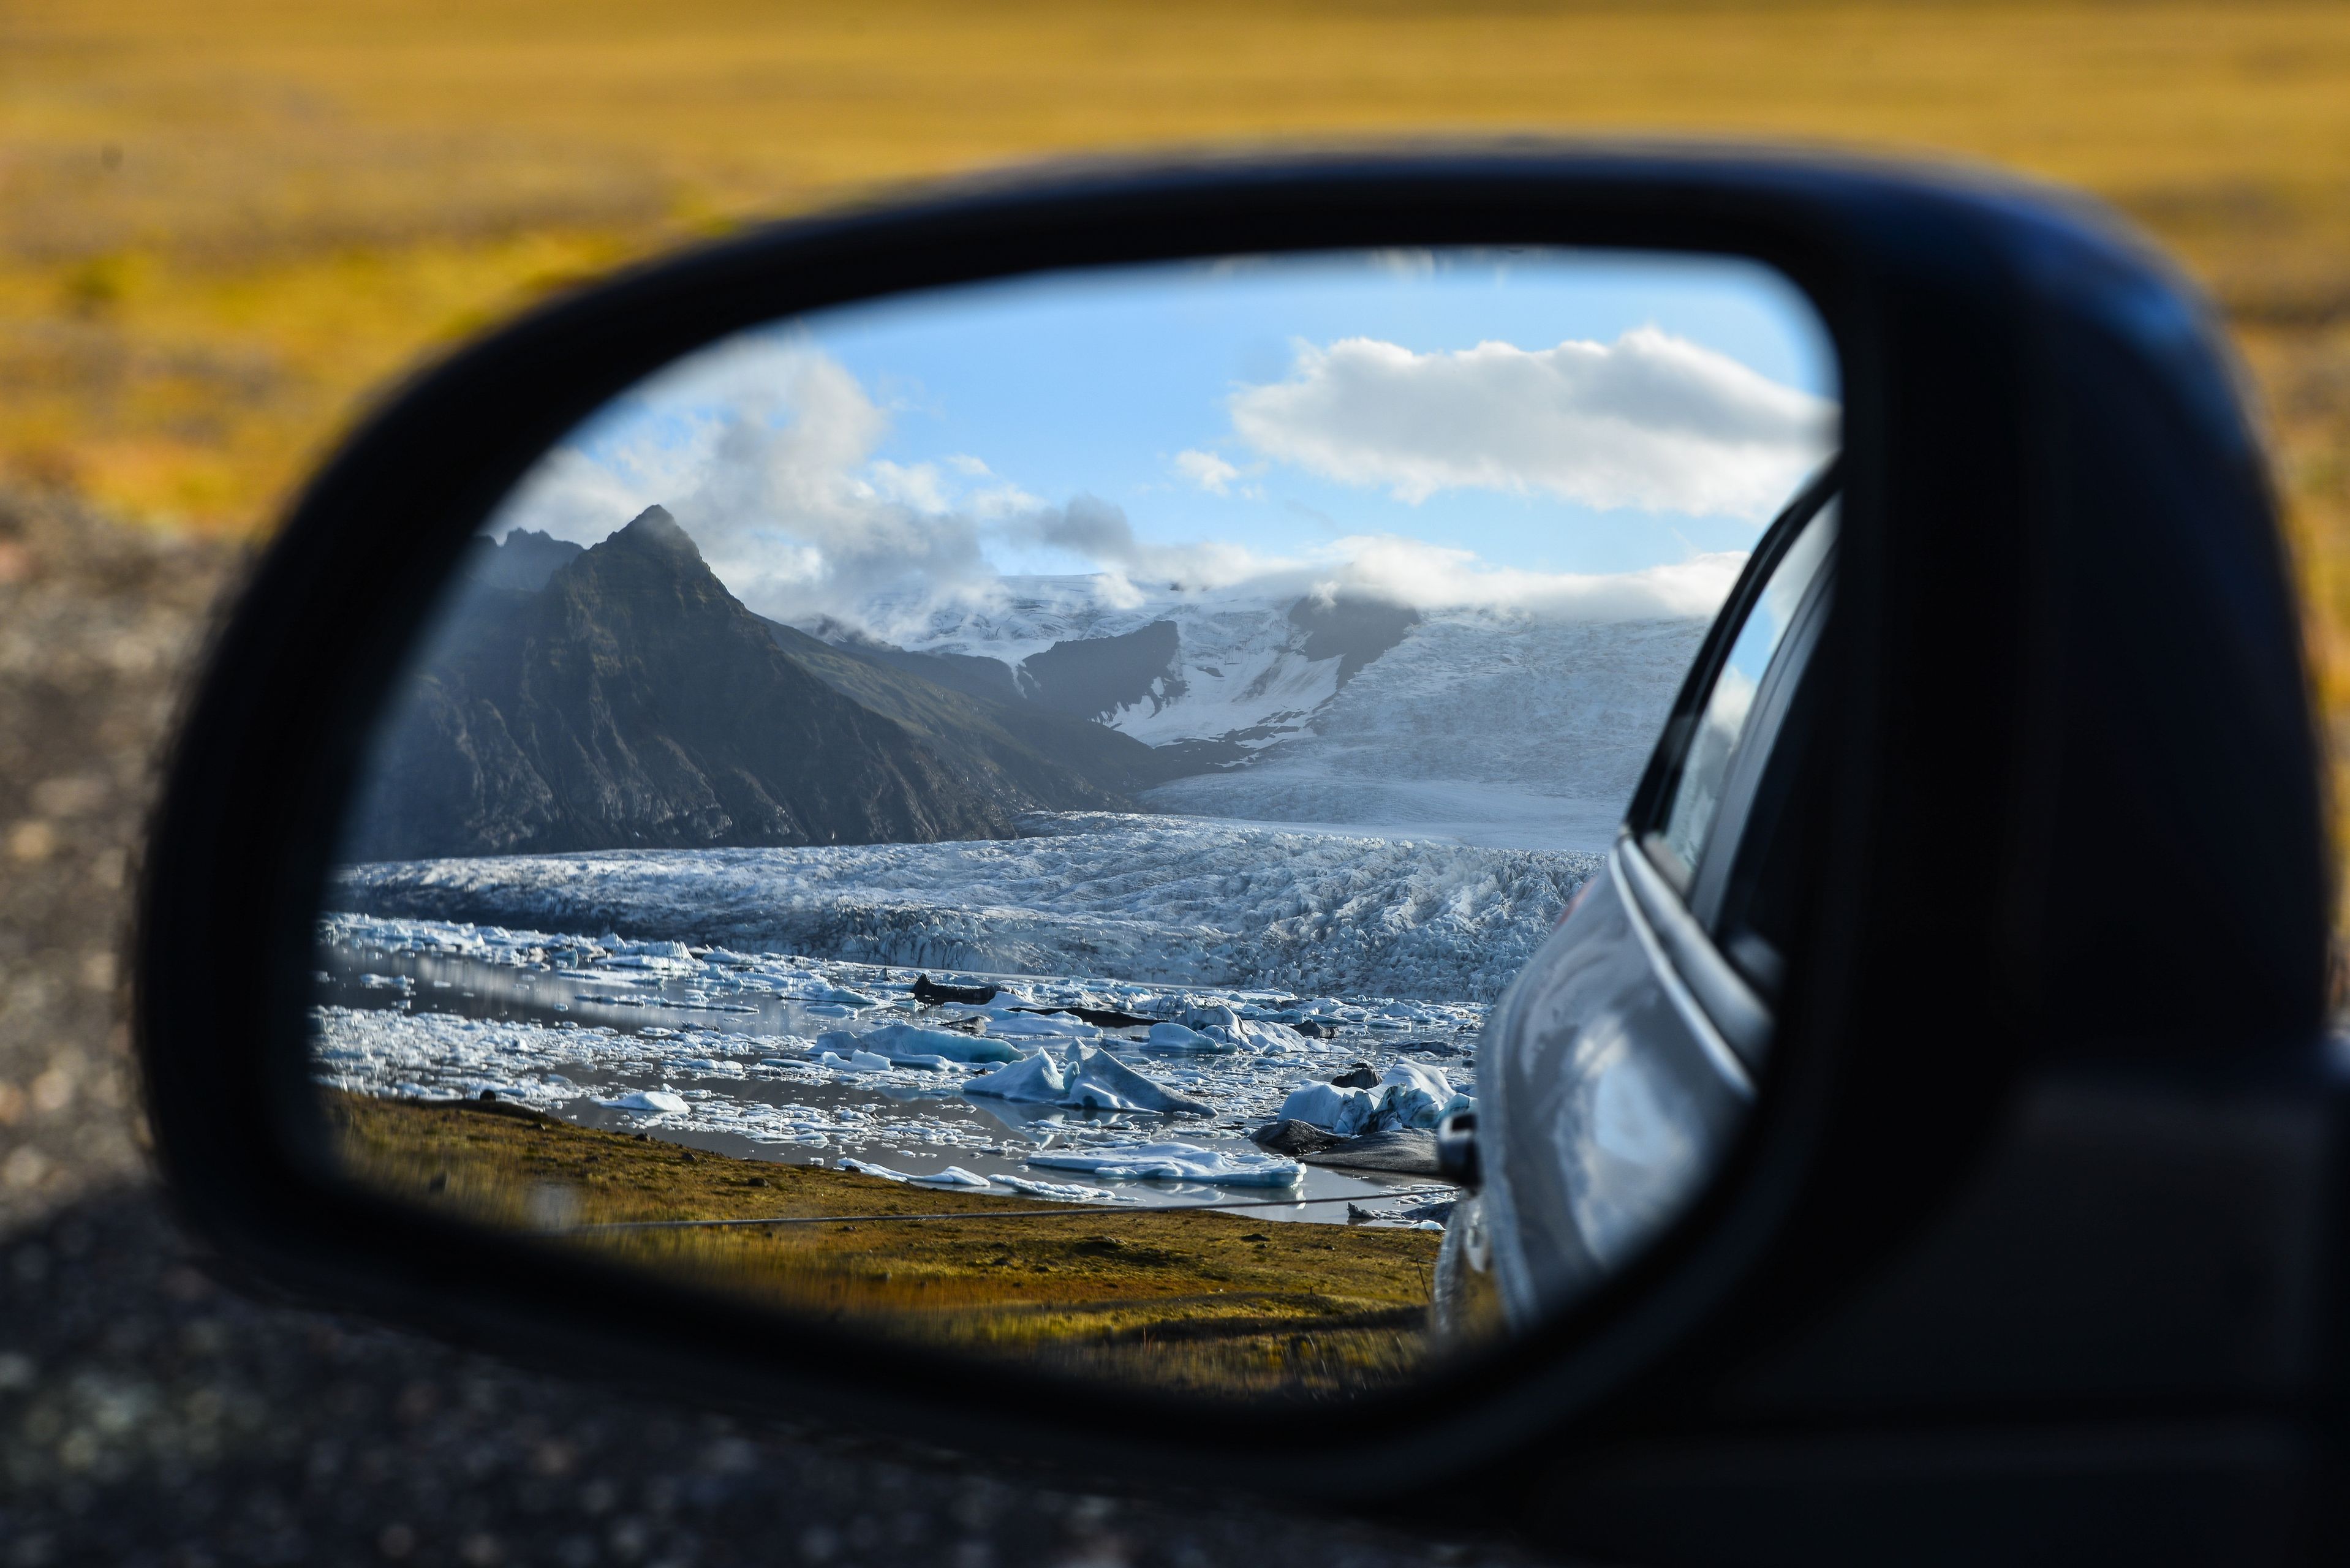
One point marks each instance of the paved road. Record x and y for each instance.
(150, 1415)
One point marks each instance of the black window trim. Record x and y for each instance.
(1750, 764)
(1654, 797)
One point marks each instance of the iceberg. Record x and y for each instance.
(1234, 1032)
(1063, 1191)
(1331, 1107)
(1174, 1162)
(1408, 1096)
(955, 1176)
(856, 1060)
(1087, 1077)
(1268, 1039)
(653, 1102)
(1180, 1037)
(904, 1041)
(1414, 1095)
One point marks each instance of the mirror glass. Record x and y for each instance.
(1005, 819)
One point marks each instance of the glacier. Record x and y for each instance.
(1160, 900)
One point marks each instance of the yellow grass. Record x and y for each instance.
(301, 200)
(1198, 1301)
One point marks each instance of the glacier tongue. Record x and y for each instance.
(1155, 899)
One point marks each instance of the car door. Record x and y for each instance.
(1623, 1059)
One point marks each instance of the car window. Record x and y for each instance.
(1697, 794)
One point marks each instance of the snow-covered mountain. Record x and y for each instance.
(1239, 668)
(1489, 725)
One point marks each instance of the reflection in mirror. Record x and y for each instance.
(1005, 818)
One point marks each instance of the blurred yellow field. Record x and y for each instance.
(223, 227)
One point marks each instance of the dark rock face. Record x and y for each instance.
(1013, 753)
(1093, 676)
(523, 562)
(974, 675)
(1353, 631)
(633, 701)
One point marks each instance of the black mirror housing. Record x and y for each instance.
(2067, 945)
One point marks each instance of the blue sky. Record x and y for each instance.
(1265, 410)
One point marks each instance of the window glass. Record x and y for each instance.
(1697, 794)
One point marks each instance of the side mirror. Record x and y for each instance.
(904, 818)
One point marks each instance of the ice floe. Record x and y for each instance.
(658, 1101)
(1175, 1162)
(1407, 1095)
(1172, 1036)
(1086, 1077)
(899, 1042)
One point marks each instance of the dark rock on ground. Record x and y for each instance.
(1432, 1048)
(929, 991)
(1295, 1138)
(152, 1417)
(1407, 1151)
(1099, 1017)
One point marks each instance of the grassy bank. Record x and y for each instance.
(1203, 1302)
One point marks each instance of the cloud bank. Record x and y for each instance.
(1650, 421)
(766, 454)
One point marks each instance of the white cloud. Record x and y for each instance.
(1650, 421)
(767, 458)
(1433, 576)
(910, 485)
(1206, 469)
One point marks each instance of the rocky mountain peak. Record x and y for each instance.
(655, 531)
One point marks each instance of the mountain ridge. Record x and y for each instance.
(633, 701)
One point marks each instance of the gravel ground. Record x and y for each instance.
(150, 1415)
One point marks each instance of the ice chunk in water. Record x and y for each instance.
(1065, 1192)
(1174, 1162)
(1412, 1096)
(1331, 1107)
(856, 1060)
(899, 1041)
(1178, 1037)
(1408, 1096)
(1086, 1077)
(657, 1101)
(952, 1175)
